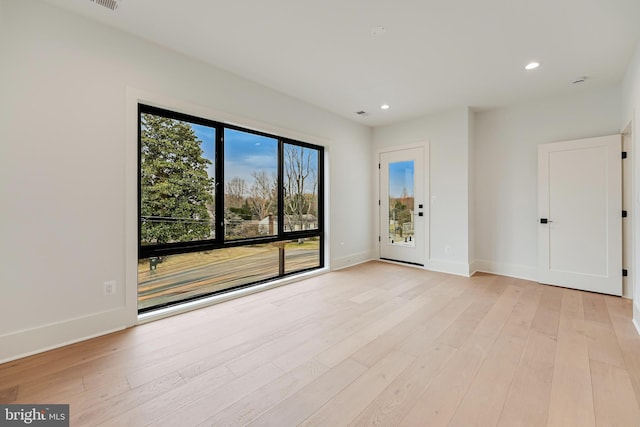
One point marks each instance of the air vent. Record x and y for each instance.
(109, 4)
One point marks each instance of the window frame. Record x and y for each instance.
(219, 242)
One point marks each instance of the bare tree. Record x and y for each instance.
(312, 199)
(300, 184)
(235, 193)
(262, 194)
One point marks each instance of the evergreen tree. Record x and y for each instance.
(175, 186)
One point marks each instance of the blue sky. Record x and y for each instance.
(400, 177)
(244, 154)
(208, 137)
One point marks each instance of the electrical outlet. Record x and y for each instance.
(448, 250)
(109, 287)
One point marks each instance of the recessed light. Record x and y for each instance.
(384, 106)
(380, 30)
(532, 66)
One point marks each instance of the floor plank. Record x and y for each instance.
(571, 401)
(106, 409)
(484, 401)
(9, 394)
(437, 404)
(254, 404)
(528, 400)
(297, 407)
(344, 349)
(193, 409)
(392, 404)
(346, 405)
(620, 311)
(613, 396)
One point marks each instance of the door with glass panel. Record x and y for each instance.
(403, 209)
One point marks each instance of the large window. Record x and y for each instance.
(222, 207)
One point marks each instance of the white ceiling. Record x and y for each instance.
(434, 54)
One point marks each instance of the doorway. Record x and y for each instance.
(580, 214)
(403, 208)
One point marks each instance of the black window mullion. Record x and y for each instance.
(219, 184)
(281, 255)
(140, 111)
(321, 190)
(321, 203)
(281, 215)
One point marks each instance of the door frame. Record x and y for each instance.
(628, 223)
(427, 198)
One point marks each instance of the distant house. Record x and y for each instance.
(269, 225)
(301, 222)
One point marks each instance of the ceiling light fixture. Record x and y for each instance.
(532, 66)
(380, 30)
(384, 106)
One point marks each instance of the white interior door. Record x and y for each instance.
(402, 205)
(580, 208)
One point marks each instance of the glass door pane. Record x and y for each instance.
(401, 203)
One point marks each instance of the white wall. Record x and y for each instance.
(65, 163)
(448, 137)
(506, 170)
(631, 114)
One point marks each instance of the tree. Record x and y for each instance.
(175, 186)
(300, 184)
(235, 192)
(263, 195)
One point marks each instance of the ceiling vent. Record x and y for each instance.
(109, 4)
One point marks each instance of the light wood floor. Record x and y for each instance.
(377, 344)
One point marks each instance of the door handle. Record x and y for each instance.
(544, 221)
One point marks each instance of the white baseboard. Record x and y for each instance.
(510, 270)
(636, 317)
(17, 345)
(473, 268)
(451, 267)
(351, 260)
(441, 266)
